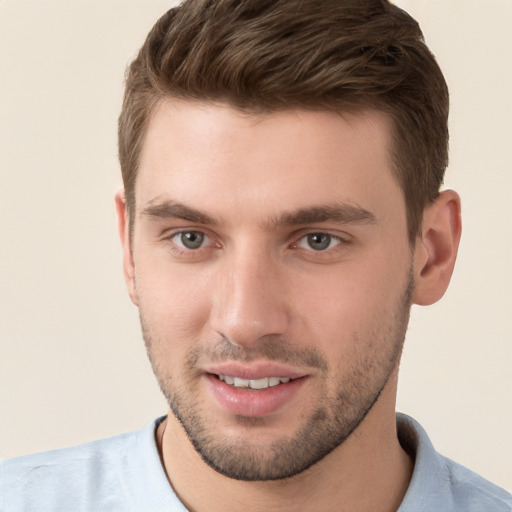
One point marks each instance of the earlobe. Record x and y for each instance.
(436, 249)
(123, 225)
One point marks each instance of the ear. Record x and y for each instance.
(123, 225)
(436, 249)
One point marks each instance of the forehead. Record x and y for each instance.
(218, 157)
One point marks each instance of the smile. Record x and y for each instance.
(266, 382)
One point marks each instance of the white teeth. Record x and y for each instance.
(241, 383)
(259, 383)
(267, 382)
(274, 381)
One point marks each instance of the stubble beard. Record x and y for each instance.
(331, 423)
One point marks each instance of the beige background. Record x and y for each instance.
(72, 364)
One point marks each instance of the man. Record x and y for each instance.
(282, 164)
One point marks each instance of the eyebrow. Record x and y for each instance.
(172, 210)
(342, 213)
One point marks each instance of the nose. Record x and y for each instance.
(249, 300)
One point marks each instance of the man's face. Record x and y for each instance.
(272, 270)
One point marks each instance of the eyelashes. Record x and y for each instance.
(318, 241)
(197, 244)
(190, 240)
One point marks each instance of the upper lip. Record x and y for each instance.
(254, 370)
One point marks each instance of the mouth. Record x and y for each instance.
(256, 384)
(254, 389)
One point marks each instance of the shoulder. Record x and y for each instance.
(473, 492)
(439, 483)
(86, 477)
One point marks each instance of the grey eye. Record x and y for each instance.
(319, 241)
(191, 239)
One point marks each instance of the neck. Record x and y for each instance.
(368, 472)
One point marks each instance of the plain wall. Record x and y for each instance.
(72, 363)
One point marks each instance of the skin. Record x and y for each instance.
(262, 293)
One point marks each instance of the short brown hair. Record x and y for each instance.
(266, 55)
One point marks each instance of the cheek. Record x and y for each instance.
(350, 304)
(173, 302)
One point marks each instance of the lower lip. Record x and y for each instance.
(253, 403)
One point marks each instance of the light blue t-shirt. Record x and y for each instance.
(124, 473)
